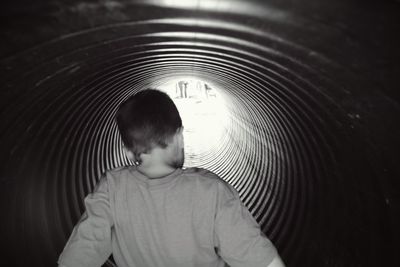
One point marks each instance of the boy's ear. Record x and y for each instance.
(179, 135)
(129, 154)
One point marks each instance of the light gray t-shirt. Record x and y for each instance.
(189, 218)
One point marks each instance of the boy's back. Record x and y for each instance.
(190, 217)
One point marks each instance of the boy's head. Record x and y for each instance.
(147, 120)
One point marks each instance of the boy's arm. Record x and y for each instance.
(90, 241)
(238, 237)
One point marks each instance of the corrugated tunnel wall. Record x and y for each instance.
(303, 120)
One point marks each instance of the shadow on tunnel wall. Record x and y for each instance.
(311, 139)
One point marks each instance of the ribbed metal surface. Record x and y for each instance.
(288, 143)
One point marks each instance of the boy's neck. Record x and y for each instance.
(155, 172)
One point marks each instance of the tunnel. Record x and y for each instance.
(298, 110)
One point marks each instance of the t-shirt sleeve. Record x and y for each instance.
(238, 237)
(90, 241)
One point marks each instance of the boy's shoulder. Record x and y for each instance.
(200, 172)
(117, 173)
(206, 176)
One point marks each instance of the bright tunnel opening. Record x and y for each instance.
(204, 114)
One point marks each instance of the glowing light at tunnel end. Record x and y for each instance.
(203, 111)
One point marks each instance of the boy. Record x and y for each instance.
(156, 213)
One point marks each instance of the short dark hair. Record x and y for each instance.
(147, 119)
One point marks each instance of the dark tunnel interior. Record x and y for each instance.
(300, 114)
